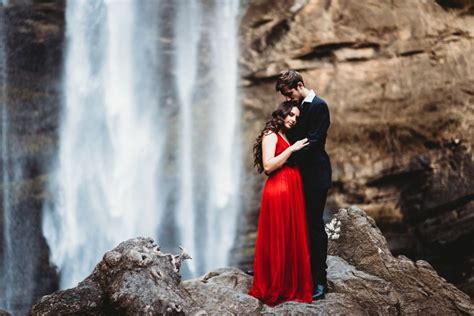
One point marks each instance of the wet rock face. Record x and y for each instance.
(398, 79)
(135, 278)
(462, 6)
(32, 38)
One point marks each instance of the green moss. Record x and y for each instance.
(21, 95)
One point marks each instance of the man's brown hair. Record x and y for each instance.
(288, 78)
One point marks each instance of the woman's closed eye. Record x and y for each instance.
(291, 114)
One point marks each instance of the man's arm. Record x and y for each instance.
(318, 127)
(319, 121)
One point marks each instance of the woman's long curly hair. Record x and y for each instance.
(272, 125)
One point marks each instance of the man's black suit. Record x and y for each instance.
(315, 168)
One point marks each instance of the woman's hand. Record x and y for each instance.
(299, 144)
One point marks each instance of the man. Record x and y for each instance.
(314, 164)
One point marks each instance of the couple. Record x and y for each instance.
(291, 247)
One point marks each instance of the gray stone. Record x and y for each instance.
(415, 285)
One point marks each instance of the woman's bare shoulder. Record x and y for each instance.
(269, 136)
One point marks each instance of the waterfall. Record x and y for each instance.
(223, 152)
(142, 152)
(105, 181)
(206, 66)
(187, 40)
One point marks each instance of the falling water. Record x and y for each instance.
(187, 40)
(105, 187)
(206, 66)
(140, 145)
(223, 152)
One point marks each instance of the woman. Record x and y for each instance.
(282, 269)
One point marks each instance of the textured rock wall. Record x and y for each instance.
(398, 77)
(33, 33)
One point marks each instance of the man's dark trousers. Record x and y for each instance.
(318, 239)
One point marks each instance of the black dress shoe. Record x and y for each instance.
(318, 291)
(249, 272)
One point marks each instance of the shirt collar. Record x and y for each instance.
(309, 98)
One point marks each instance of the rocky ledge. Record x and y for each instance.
(136, 278)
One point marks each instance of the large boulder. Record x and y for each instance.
(136, 278)
(416, 286)
(133, 278)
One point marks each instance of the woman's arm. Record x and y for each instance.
(272, 162)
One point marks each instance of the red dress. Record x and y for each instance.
(282, 270)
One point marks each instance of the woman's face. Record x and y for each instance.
(291, 118)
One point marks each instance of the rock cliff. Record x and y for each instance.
(398, 77)
(364, 278)
(32, 34)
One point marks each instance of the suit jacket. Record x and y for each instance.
(313, 160)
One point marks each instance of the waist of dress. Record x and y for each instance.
(285, 170)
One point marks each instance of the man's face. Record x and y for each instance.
(293, 94)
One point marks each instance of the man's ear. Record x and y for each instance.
(300, 84)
